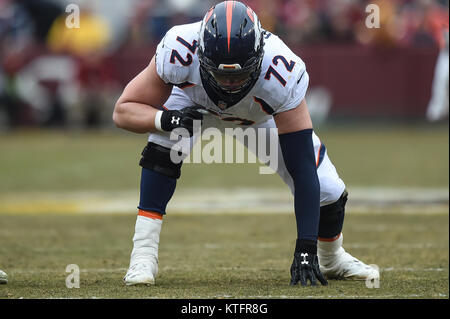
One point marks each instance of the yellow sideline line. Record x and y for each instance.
(237, 201)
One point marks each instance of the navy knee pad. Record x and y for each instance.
(157, 158)
(331, 219)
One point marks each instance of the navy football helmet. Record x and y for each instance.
(230, 52)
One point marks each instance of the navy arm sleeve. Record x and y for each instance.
(299, 158)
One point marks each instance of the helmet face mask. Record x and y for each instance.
(230, 51)
(231, 82)
(231, 78)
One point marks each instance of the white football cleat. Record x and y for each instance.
(3, 278)
(141, 273)
(345, 266)
(144, 257)
(336, 263)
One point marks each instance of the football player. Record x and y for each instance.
(438, 105)
(243, 76)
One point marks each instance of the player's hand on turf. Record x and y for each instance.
(171, 119)
(305, 265)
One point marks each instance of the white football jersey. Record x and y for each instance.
(281, 85)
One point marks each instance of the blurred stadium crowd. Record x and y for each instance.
(51, 75)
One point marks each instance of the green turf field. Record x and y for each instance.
(412, 156)
(217, 256)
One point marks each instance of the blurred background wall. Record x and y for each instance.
(54, 76)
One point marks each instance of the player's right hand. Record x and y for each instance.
(171, 119)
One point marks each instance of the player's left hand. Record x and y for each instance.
(169, 120)
(305, 266)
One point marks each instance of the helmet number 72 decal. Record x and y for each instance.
(271, 70)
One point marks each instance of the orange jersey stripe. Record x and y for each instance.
(151, 215)
(318, 155)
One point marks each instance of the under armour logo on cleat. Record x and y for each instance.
(304, 255)
(175, 120)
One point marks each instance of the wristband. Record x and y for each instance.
(306, 246)
(158, 120)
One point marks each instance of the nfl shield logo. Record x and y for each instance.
(222, 105)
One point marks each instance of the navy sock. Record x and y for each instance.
(156, 191)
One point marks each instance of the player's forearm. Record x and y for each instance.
(298, 153)
(135, 117)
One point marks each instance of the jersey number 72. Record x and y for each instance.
(175, 55)
(271, 70)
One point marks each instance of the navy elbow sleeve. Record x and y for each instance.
(299, 158)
